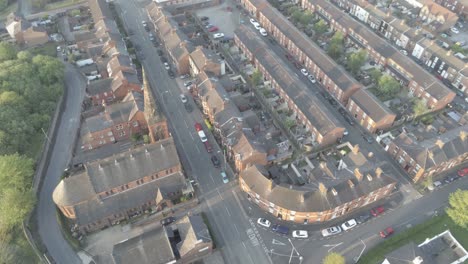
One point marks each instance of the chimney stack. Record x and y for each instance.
(270, 185)
(322, 189)
(351, 183)
(335, 193)
(378, 172)
(463, 135)
(356, 149)
(439, 143)
(358, 174)
(369, 177)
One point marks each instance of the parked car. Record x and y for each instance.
(263, 32)
(215, 161)
(253, 22)
(224, 177)
(166, 66)
(454, 30)
(202, 136)
(264, 222)
(311, 78)
(450, 179)
(386, 232)
(183, 98)
(463, 172)
(300, 234)
(257, 26)
(363, 218)
(349, 120)
(348, 224)
(284, 230)
(188, 83)
(218, 35)
(209, 26)
(304, 72)
(369, 139)
(204, 18)
(213, 29)
(160, 52)
(143, 23)
(377, 210)
(208, 147)
(185, 76)
(331, 231)
(198, 127)
(188, 108)
(167, 221)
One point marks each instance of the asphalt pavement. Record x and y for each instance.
(231, 227)
(49, 230)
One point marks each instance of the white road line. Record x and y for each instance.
(198, 149)
(237, 230)
(220, 196)
(244, 245)
(191, 136)
(229, 213)
(185, 122)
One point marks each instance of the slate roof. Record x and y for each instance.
(446, 55)
(151, 247)
(99, 10)
(372, 106)
(246, 145)
(406, 254)
(192, 230)
(428, 153)
(119, 62)
(307, 102)
(99, 86)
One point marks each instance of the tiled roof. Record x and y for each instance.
(192, 230)
(372, 106)
(99, 10)
(99, 86)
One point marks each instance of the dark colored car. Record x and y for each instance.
(167, 221)
(188, 107)
(368, 138)
(349, 120)
(208, 147)
(386, 232)
(363, 218)
(160, 52)
(215, 161)
(284, 230)
(377, 210)
(204, 18)
(171, 74)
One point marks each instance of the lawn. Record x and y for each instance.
(61, 4)
(49, 49)
(417, 234)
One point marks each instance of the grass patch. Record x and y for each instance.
(5, 12)
(61, 4)
(207, 223)
(49, 49)
(63, 223)
(417, 234)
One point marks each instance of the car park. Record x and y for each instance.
(215, 161)
(263, 222)
(224, 177)
(386, 232)
(300, 234)
(311, 78)
(280, 229)
(198, 127)
(263, 32)
(304, 72)
(167, 221)
(331, 231)
(377, 210)
(202, 136)
(183, 98)
(208, 147)
(166, 66)
(348, 224)
(218, 35)
(213, 29)
(463, 172)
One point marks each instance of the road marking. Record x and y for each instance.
(332, 246)
(191, 136)
(227, 211)
(185, 122)
(253, 238)
(198, 149)
(277, 242)
(244, 245)
(237, 230)
(220, 196)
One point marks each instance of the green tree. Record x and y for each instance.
(357, 60)
(427, 182)
(16, 172)
(292, 10)
(333, 258)
(388, 85)
(306, 18)
(419, 107)
(296, 16)
(337, 38)
(375, 74)
(336, 48)
(75, 12)
(458, 209)
(7, 51)
(320, 27)
(256, 77)
(458, 48)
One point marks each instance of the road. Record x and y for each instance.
(233, 232)
(49, 229)
(24, 7)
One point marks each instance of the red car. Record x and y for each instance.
(208, 147)
(463, 172)
(198, 127)
(377, 210)
(387, 232)
(213, 29)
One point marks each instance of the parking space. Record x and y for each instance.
(226, 17)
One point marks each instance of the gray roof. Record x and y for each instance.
(372, 106)
(428, 153)
(342, 79)
(300, 94)
(120, 169)
(430, 83)
(192, 229)
(151, 247)
(406, 254)
(99, 86)
(99, 10)
(309, 198)
(126, 110)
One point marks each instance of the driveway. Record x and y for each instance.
(49, 230)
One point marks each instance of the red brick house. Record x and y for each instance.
(113, 89)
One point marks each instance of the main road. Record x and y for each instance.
(233, 231)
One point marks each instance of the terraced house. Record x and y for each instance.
(427, 158)
(420, 83)
(119, 187)
(307, 110)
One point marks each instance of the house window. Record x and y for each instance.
(135, 124)
(122, 133)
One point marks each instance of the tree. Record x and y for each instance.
(335, 50)
(256, 77)
(75, 12)
(375, 74)
(306, 18)
(296, 15)
(320, 27)
(7, 51)
(356, 61)
(427, 182)
(333, 258)
(16, 172)
(292, 10)
(419, 107)
(458, 210)
(388, 85)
